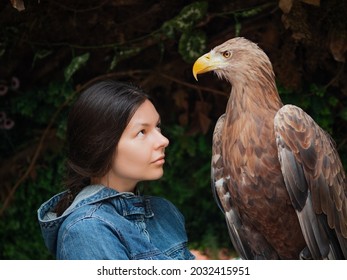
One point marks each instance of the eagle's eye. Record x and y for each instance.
(227, 54)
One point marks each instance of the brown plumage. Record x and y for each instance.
(275, 173)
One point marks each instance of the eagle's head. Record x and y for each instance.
(235, 60)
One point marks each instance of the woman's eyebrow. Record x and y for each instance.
(140, 123)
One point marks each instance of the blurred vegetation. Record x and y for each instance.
(53, 49)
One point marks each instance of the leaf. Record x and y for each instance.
(75, 65)
(168, 29)
(190, 14)
(237, 29)
(123, 53)
(251, 12)
(41, 54)
(191, 45)
(343, 114)
(186, 19)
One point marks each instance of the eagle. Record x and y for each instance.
(275, 173)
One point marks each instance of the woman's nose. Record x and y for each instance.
(162, 141)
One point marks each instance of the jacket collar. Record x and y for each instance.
(95, 193)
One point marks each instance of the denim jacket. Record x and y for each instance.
(102, 223)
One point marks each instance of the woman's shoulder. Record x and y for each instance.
(119, 211)
(157, 201)
(164, 207)
(88, 214)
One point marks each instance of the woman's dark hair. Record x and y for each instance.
(95, 124)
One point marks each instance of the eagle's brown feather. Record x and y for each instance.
(276, 174)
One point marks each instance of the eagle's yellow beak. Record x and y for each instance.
(202, 65)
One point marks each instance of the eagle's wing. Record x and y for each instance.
(219, 184)
(315, 180)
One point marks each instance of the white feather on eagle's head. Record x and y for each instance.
(235, 60)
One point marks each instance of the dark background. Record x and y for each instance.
(52, 49)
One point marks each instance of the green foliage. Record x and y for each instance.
(41, 54)
(242, 14)
(192, 45)
(33, 111)
(316, 102)
(19, 230)
(343, 114)
(6, 33)
(40, 104)
(192, 42)
(76, 63)
(122, 54)
(186, 19)
(325, 108)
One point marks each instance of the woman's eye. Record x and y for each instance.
(141, 132)
(158, 127)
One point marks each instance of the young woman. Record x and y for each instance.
(114, 142)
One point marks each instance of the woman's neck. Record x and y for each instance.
(118, 185)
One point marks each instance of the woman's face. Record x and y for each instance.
(140, 153)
